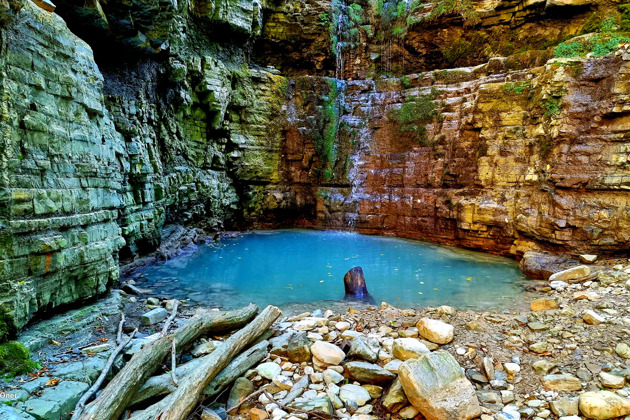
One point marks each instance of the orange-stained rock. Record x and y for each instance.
(543, 305)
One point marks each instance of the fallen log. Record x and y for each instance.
(118, 393)
(182, 402)
(162, 384)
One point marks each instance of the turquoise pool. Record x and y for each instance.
(281, 267)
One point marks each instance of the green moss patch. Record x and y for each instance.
(415, 113)
(15, 359)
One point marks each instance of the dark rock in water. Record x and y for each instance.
(536, 265)
(356, 289)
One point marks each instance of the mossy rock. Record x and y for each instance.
(15, 359)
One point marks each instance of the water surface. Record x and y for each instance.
(288, 266)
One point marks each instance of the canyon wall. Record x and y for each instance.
(118, 119)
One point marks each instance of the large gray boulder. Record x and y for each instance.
(435, 384)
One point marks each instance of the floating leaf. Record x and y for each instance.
(469, 278)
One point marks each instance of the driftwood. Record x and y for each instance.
(121, 344)
(356, 289)
(170, 319)
(182, 402)
(118, 393)
(162, 385)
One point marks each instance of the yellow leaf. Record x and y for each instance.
(56, 343)
(53, 382)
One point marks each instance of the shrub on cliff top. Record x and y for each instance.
(15, 359)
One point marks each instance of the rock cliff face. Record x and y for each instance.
(141, 114)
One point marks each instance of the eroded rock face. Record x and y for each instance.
(174, 123)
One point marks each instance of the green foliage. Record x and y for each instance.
(415, 5)
(570, 49)
(603, 46)
(415, 113)
(15, 359)
(592, 24)
(377, 7)
(552, 106)
(448, 7)
(516, 87)
(608, 25)
(457, 50)
(624, 24)
(599, 46)
(405, 82)
(325, 143)
(401, 9)
(324, 19)
(398, 31)
(355, 13)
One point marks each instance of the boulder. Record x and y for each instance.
(240, 390)
(611, 381)
(369, 373)
(612, 277)
(299, 348)
(603, 405)
(364, 348)
(436, 386)
(154, 316)
(435, 331)
(408, 348)
(561, 382)
(327, 353)
(395, 398)
(536, 265)
(356, 393)
(623, 350)
(573, 273)
(269, 370)
(593, 318)
(543, 304)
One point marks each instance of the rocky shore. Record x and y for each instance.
(563, 356)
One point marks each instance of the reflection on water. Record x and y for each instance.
(288, 266)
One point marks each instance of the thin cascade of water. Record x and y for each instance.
(342, 24)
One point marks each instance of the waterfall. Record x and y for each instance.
(341, 15)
